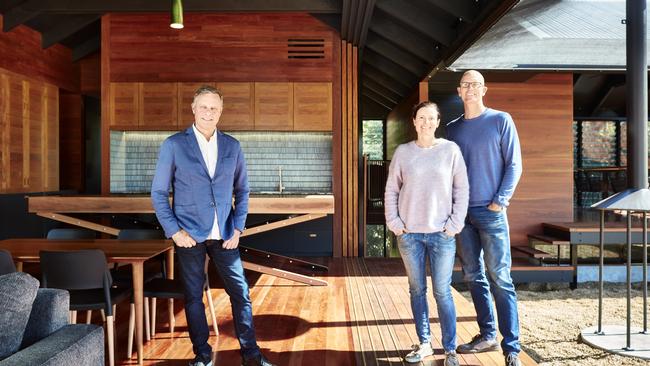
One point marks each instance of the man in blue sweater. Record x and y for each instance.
(490, 146)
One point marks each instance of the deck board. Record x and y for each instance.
(362, 318)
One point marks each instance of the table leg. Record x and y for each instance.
(170, 275)
(138, 300)
(170, 263)
(19, 266)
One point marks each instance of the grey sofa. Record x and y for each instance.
(34, 327)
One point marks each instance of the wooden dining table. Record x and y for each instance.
(134, 252)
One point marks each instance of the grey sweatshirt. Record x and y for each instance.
(427, 189)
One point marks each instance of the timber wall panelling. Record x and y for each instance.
(542, 108)
(232, 48)
(349, 150)
(21, 53)
(29, 121)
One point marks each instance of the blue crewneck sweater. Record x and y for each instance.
(491, 150)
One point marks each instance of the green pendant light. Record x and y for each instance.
(177, 14)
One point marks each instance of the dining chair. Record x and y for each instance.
(6, 262)
(85, 275)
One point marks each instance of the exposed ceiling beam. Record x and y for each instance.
(64, 29)
(372, 109)
(18, 15)
(390, 67)
(379, 89)
(408, 61)
(464, 9)
(379, 99)
(370, 9)
(355, 19)
(577, 78)
(345, 19)
(366, 9)
(88, 6)
(403, 37)
(355, 32)
(384, 79)
(600, 96)
(602, 99)
(419, 20)
(88, 47)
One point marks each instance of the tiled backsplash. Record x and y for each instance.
(305, 159)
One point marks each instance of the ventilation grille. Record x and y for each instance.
(307, 48)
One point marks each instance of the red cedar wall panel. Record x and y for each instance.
(21, 52)
(542, 108)
(216, 47)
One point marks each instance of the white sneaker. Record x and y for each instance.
(419, 352)
(451, 359)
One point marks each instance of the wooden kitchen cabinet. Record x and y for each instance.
(312, 106)
(248, 106)
(274, 106)
(239, 105)
(158, 106)
(124, 99)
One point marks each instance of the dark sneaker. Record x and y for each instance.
(478, 345)
(512, 359)
(419, 352)
(451, 359)
(257, 361)
(201, 360)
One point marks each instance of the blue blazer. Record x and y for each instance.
(197, 197)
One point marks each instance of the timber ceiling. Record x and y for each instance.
(400, 42)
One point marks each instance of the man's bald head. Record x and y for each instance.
(471, 90)
(473, 75)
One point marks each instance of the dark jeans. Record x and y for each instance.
(229, 267)
(484, 250)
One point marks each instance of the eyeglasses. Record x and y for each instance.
(470, 85)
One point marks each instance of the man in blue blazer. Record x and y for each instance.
(205, 167)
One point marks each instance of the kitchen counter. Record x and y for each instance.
(257, 204)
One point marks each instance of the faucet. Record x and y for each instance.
(280, 186)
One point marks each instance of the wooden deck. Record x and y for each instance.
(362, 318)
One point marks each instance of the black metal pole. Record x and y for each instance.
(629, 281)
(637, 94)
(601, 266)
(645, 273)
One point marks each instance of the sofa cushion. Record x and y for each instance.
(50, 312)
(17, 293)
(72, 345)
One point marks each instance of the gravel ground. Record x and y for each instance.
(551, 321)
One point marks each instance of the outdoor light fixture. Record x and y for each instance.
(177, 14)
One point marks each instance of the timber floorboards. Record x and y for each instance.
(362, 318)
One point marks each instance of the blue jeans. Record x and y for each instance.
(229, 267)
(485, 248)
(440, 250)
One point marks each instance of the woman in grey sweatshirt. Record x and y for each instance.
(425, 206)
